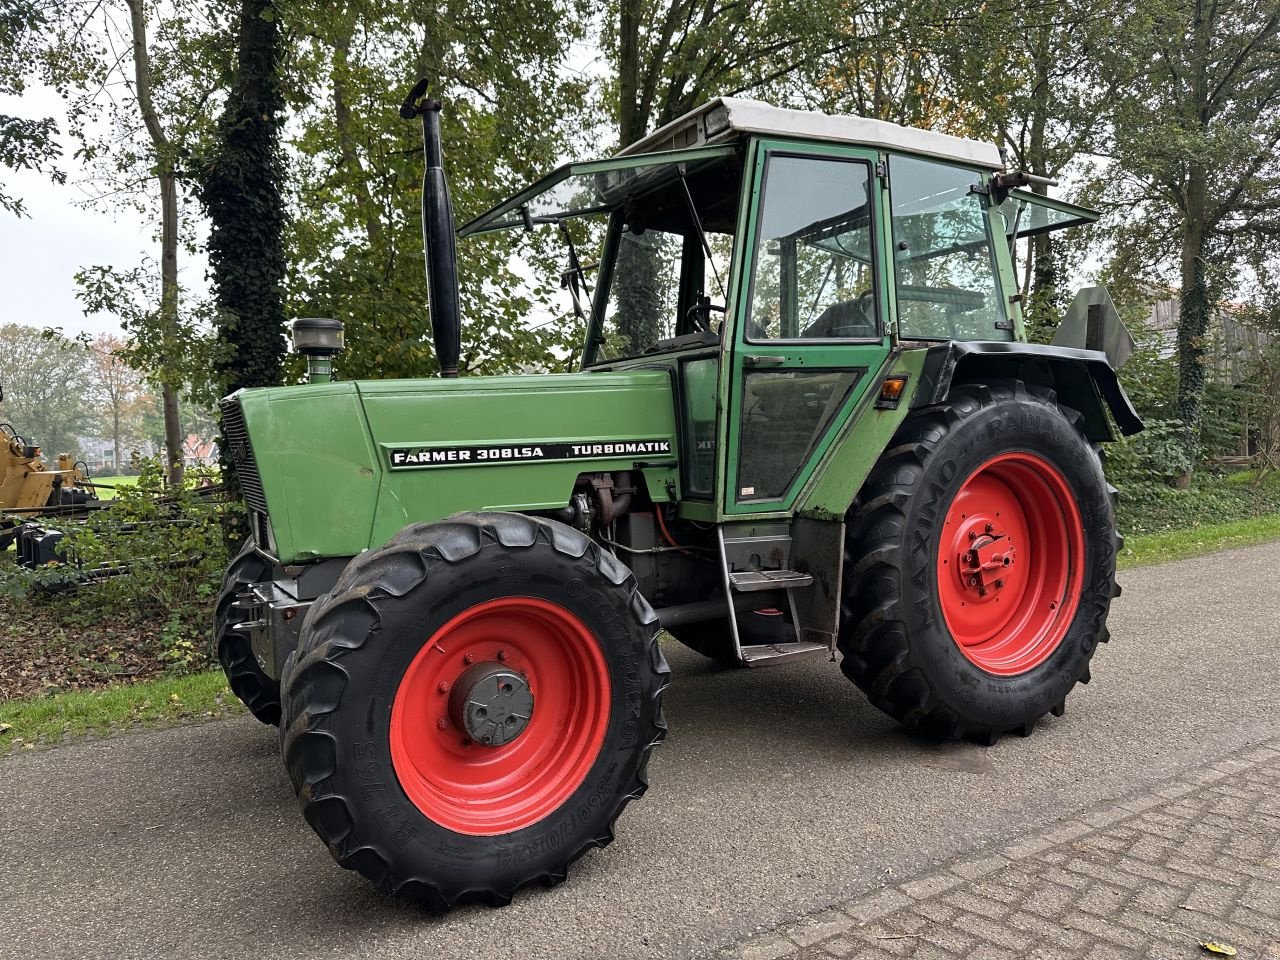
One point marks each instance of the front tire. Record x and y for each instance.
(980, 564)
(472, 706)
(257, 691)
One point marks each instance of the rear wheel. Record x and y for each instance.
(257, 691)
(472, 706)
(980, 564)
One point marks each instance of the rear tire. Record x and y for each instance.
(257, 691)
(1005, 469)
(384, 739)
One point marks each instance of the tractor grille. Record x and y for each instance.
(242, 455)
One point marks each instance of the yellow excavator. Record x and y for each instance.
(31, 487)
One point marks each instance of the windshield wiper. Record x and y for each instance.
(574, 279)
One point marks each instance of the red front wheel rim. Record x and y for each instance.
(1011, 563)
(469, 787)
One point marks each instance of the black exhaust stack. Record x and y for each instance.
(437, 233)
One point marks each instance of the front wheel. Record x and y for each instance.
(980, 564)
(472, 706)
(248, 681)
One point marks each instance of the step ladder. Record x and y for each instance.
(757, 580)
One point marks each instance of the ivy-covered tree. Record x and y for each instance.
(241, 190)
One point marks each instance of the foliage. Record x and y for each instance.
(1149, 458)
(1194, 169)
(30, 143)
(132, 296)
(118, 396)
(157, 549)
(240, 189)
(45, 377)
(355, 247)
(1154, 507)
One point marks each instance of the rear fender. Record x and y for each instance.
(1083, 379)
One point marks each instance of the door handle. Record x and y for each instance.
(761, 361)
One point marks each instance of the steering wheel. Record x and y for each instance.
(699, 315)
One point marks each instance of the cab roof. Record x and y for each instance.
(727, 118)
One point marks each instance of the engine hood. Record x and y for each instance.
(338, 468)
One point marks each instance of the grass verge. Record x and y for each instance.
(1191, 542)
(47, 719)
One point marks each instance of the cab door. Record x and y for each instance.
(812, 321)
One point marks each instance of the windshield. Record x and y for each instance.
(667, 264)
(595, 186)
(666, 254)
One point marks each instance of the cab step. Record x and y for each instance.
(745, 581)
(767, 654)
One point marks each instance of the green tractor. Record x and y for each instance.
(807, 424)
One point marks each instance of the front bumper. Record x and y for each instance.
(273, 621)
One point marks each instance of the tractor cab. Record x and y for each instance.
(773, 261)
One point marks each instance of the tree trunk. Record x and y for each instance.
(630, 125)
(1193, 329)
(169, 319)
(1193, 318)
(240, 191)
(168, 240)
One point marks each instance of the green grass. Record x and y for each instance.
(106, 491)
(1194, 541)
(48, 719)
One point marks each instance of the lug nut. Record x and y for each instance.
(982, 591)
(442, 687)
(469, 659)
(443, 723)
(973, 581)
(972, 535)
(999, 584)
(990, 527)
(502, 655)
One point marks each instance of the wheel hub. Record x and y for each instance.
(491, 703)
(988, 561)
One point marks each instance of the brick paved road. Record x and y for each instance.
(1148, 876)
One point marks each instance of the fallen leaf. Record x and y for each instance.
(1210, 946)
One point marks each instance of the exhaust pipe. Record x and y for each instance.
(438, 239)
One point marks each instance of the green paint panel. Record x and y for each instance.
(324, 452)
(842, 471)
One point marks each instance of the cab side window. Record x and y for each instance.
(945, 273)
(813, 275)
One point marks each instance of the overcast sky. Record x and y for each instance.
(40, 253)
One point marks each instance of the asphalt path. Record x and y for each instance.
(779, 791)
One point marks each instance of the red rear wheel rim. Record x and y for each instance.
(465, 786)
(1011, 563)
